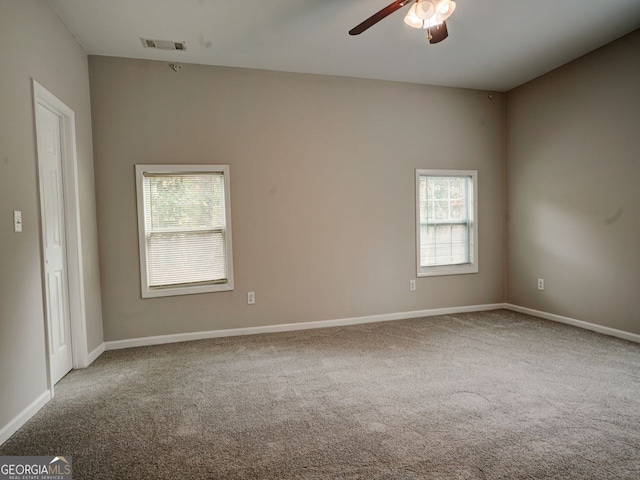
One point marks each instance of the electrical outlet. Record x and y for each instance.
(251, 298)
(412, 285)
(541, 284)
(17, 221)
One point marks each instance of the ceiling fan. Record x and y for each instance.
(425, 14)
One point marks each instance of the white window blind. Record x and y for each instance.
(185, 234)
(446, 227)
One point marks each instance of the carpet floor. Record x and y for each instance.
(488, 395)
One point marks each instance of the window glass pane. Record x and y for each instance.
(443, 254)
(444, 220)
(177, 258)
(458, 210)
(458, 188)
(440, 210)
(459, 251)
(438, 188)
(459, 233)
(186, 241)
(443, 234)
(184, 202)
(422, 192)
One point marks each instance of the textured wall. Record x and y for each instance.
(37, 46)
(574, 203)
(322, 189)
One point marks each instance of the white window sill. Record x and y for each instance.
(448, 270)
(176, 291)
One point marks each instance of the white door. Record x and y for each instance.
(53, 225)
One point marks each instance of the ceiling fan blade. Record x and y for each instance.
(438, 33)
(372, 20)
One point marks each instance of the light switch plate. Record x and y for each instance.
(17, 221)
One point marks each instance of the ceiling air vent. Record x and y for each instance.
(163, 44)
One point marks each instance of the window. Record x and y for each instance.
(184, 222)
(446, 222)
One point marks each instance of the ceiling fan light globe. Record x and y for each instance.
(412, 19)
(425, 9)
(432, 22)
(445, 9)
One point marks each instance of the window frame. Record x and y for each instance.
(451, 269)
(169, 291)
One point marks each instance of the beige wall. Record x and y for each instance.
(573, 194)
(36, 45)
(322, 189)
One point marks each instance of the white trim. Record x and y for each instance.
(287, 327)
(145, 290)
(24, 416)
(462, 269)
(95, 353)
(75, 272)
(632, 337)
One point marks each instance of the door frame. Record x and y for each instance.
(75, 275)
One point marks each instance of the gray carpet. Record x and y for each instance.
(492, 395)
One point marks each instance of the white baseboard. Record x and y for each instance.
(95, 353)
(576, 323)
(24, 416)
(287, 327)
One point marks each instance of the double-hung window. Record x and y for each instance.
(184, 222)
(446, 222)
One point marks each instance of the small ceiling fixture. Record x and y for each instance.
(430, 15)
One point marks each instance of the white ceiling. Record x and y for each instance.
(492, 44)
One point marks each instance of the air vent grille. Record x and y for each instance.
(163, 44)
